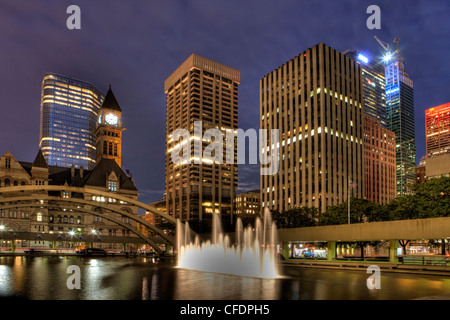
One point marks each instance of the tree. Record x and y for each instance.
(168, 227)
(428, 200)
(296, 217)
(361, 210)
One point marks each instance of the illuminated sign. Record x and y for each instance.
(363, 58)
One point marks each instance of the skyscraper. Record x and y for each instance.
(315, 100)
(69, 111)
(437, 127)
(374, 98)
(379, 162)
(400, 120)
(200, 90)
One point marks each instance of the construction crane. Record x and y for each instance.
(382, 43)
(389, 55)
(397, 49)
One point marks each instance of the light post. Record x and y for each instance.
(93, 234)
(2, 228)
(72, 233)
(350, 186)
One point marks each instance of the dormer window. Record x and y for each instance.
(113, 185)
(112, 182)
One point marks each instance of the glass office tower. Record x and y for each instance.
(374, 86)
(400, 120)
(69, 110)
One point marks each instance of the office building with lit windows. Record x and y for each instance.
(374, 98)
(201, 90)
(400, 120)
(69, 113)
(247, 204)
(437, 127)
(315, 100)
(379, 162)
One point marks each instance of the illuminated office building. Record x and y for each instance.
(437, 127)
(400, 120)
(315, 101)
(374, 98)
(200, 90)
(69, 110)
(248, 204)
(379, 162)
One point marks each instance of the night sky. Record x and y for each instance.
(135, 45)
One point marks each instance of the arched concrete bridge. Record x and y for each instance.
(36, 196)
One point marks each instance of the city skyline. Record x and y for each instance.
(138, 69)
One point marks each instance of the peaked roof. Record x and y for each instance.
(40, 162)
(100, 173)
(110, 101)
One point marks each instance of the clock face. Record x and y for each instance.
(111, 119)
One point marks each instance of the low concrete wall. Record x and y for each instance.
(433, 228)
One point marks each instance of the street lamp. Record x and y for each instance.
(93, 234)
(2, 228)
(72, 233)
(350, 186)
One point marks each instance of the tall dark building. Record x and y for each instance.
(400, 120)
(200, 90)
(374, 97)
(315, 101)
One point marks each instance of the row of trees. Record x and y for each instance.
(427, 200)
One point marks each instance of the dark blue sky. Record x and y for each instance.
(135, 45)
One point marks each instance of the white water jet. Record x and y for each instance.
(252, 255)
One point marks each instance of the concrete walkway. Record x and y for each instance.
(363, 265)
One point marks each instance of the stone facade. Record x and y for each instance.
(63, 218)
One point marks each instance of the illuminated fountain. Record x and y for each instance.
(251, 255)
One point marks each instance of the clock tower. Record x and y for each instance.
(109, 129)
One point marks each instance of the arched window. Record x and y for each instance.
(71, 220)
(16, 183)
(23, 183)
(79, 220)
(65, 219)
(59, 218)
(7, 182)
(50, 218)
(39, 217)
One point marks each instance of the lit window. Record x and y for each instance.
(112, 185)
(39, 217)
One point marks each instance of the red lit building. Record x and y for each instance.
(437, 128)
(379, 162)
